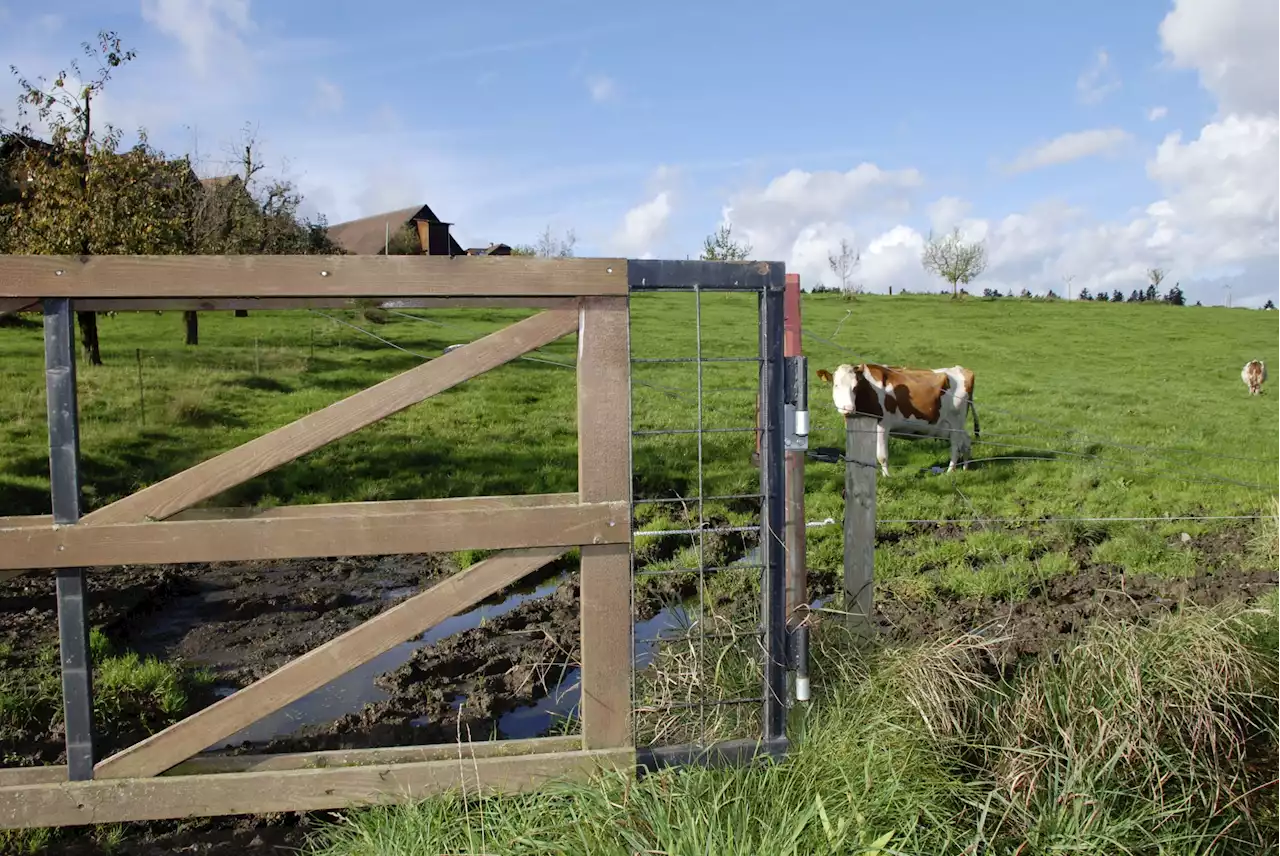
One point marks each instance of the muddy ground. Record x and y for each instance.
(243, 621)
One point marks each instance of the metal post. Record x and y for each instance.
(859, 519)
(773, 578)
(64, 482)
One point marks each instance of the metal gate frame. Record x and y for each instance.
(768, 280)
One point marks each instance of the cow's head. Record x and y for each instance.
(844, 386)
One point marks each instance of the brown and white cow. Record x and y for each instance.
(908, 403)
(1253, 375)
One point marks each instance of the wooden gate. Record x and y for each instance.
(163, 776)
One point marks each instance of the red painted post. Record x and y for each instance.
(797, 571)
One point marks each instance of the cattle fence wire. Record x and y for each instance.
(695, 632)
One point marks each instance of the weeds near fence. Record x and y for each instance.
(1142, 740)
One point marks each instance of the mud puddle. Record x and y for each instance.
(350, 693)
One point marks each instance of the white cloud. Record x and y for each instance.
(602, 88)
(947, 213)
(643, 226)
(1155, 114)
(1098, 80)
(1232, 45)
(210, 31)
(1070, 147)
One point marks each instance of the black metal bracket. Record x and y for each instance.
(729, 753)
(665, 275)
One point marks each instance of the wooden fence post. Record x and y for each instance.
(604, 470)
(860, 519)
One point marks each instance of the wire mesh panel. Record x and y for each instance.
(707, 561)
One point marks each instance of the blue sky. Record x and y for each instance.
(1030, 126)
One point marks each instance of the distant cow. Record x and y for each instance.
(1253, 374)
(908, 403)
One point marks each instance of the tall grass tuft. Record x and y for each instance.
(1155, 740)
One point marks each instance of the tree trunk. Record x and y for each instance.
(89, 337)
(192, 320)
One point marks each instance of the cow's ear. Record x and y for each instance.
(825, 376)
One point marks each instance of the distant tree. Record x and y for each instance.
(1103, 297)
(1151, 295)
(720, 246)
(250, 213)
(1117, 296)
(551, 247)
(1268, 305)
(1198, 303)
(66, 220)
(1085, 295)
(842, 264)
(1175, 296)
(1051, 295)
(957, 261)
(1024, 294)
(524, 250)
(405, 242)
(1137, 296)
(1156, 276)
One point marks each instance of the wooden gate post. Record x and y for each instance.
(604, 470)
(860, 520)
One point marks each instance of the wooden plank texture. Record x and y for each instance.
(219, 763)
(422, 506)
(860, 521)
(308, 276)
(121, 800)
(314, 430)
(317, 667)
(271, 304)
(369, 534)
(604, 474)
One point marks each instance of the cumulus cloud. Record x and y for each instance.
(769, 218)
(1232, 45)
(1098, 80)
(643, 226)
(1070, 147)
(1213, 222)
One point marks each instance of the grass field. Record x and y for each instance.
(1138, 411)
(1088, 410)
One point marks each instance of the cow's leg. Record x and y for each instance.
(882, 449)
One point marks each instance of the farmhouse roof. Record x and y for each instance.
(491, 250)
(367, 236)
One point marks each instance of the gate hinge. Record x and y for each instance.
(796, 404)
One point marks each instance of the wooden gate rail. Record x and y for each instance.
(162, 777)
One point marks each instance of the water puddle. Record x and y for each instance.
(352, 691)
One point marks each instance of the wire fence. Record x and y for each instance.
(695, 624)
